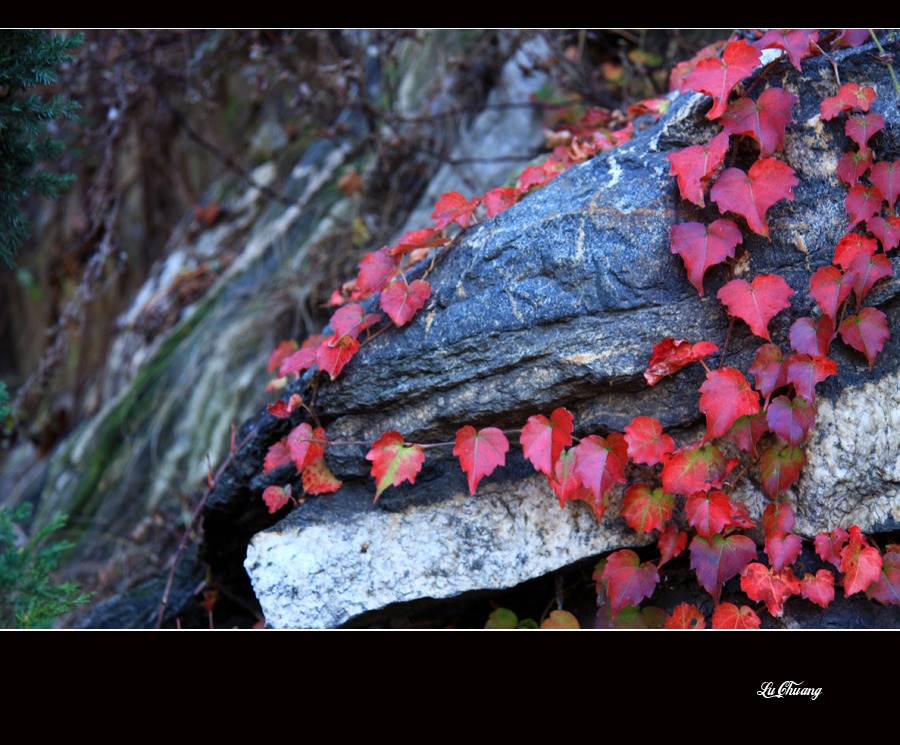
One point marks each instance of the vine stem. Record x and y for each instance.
(164, 601)
(890, 67)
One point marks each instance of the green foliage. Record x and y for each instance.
(28, 58)
(28, 596)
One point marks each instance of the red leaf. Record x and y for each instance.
(708, 512)
(695, 165)
(862, 203)
(764, 119)
(277, 456)
(276, 497)
(768, 369)
(306, 444)
(886, 588)
(746, 431)
(669, 356)
(758, 303)
(724, 397)
(799, 43)
(687, 617)
(790, 419)
(886, 176)
(751, 194)
(887, 230)
(864, 271)
(415, 239)
(352, 319)
(819, 588)
(394, 462)
(853, 166)
(728, 616)
(718, 77)
(282, 351)
(318, 478)
(543, 440)
(671, 543)
(693, 469)
(335, 352)
(480, 452)
(647, 443)
(401, 301)
(866, 332)
(762, 583)
(646, 509)
(454, 207)
(805, 372)
(782, 550)
(780, 467)
(702, 247)
(860, 563)
(778, 518)
(719, 559)
(600, 462)
(850, 246)
(850, 96)
(829, 290)
(375, 271)
(567, 483)
(828, 547)
(629, 580)
(812, 337)
(861, 128)
(499, 199)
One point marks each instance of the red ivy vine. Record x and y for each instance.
(768, 420)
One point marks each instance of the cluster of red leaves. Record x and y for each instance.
(694, 476)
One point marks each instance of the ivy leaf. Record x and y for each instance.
(812, 337)
(887, 230)
(282, 352)
(782, 550)
(480, 452)
(805, 372)
(695, 165)
(647, 443)
(646, 509)
(751, 194)
(718, 77)
(729, 616)
(335, 352)
(829, 289)
(352, 320)
(780, 467)
(401, 301)
(693, 469)
(758, 303)
(718, 559)
(886, 176)
(375, 270)
(276, 497)
(746, 431)
(724, 397)
(850, 96)
(850, 246)
(862, 203)
(764, 119)
(828, 547)
(305, 444)
(278, 455)
(560, 620)
(772, 587)
(778, 518)
(499, 199)
(671, 543)
(886, 588)
(790, 419)
(799, 43)
(860, 563)
(600, 462)
(669, 356)
(819, 588)
(866, 332)
(318, 478)
(393, 461)
(454, 207)
(702, 247)
(543, 440)
(686, 617)
(861, 128)
(629, 580)
(566, 482)
(768, 369)
(708, 512)
(853, 166)
(864, 271)
(416, 239)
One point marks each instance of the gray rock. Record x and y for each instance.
(559, 302)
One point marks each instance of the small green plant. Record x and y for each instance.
(28, 596)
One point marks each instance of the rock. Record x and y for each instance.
(559, 302)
